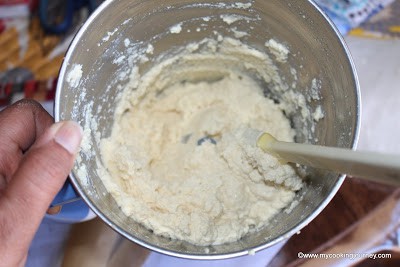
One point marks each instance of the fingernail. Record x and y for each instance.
(69, 135)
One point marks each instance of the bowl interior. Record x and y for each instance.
(316, 53)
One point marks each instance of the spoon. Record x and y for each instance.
(381, 168)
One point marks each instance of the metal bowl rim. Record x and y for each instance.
(277, 240)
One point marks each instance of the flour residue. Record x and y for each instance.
(239, 34)
(177, 28)
(242, 5)
(109, 34)
(279, 50)
(127, 42)
(212, 192)
(152, 163)
(74, 75)
(230, 18)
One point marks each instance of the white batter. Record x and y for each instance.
(208, 193)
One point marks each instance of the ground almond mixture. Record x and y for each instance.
(176, 163)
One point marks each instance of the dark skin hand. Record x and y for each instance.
(36, 156)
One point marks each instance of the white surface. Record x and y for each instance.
(378, 67)
(378, 64)
(47, 247)
(261, 259)
(14, 11)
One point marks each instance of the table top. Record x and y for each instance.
(355, 200)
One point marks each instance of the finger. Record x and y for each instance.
(40, 176)
(22, 123)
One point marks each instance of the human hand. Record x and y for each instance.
(36, 156)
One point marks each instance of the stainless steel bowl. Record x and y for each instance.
(317, 51)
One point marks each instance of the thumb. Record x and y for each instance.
(40, 175)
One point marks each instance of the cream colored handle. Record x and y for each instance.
(382, 168)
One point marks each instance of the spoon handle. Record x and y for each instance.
(382, 168)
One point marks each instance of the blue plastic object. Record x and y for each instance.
(66, 195)
(71, 6)
(73, 208)
(348, 14)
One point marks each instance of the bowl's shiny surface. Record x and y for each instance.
(298, 24)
